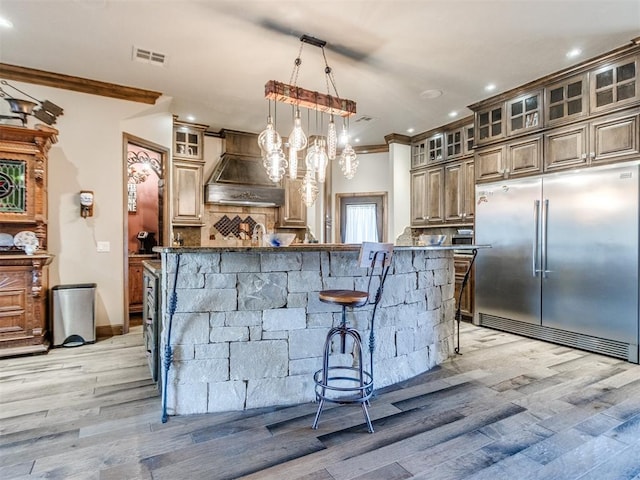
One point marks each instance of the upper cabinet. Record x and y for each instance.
(489, 124)
(567, 100)
(435, 148)
(524, 113)
(614, 85)
(418, 154)
(188, 140)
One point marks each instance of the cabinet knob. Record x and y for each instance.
(583, 156)
(592, 155)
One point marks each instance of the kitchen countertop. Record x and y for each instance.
(302, 247)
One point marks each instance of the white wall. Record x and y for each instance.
(88, 156)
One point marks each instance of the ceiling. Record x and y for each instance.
(385, 54)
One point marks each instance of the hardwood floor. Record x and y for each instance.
(508, 408)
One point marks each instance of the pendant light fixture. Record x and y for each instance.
(324, 146)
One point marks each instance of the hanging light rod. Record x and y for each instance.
(282, 92)
(316, 42)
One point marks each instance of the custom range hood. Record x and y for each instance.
(239, 178)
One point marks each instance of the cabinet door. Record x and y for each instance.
(419, 154)
(17, 188)
(455, 143)
(490, 163)
(566, 148)
(454, 192)
(418, 198)
(524, 113)
(524, 157)
(136, 289)
(614, 139)
(435, 148)
(469, 201)
(489, 124)
(188, 141)
(567, 100)
(293, 213)
(461, 264)
(614, 85)
(435, 195)
(16, 309)
(187, 193)
(469, 139)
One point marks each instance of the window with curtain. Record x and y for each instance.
(361, 223)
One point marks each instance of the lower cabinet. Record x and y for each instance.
(136, 290)
(188, 193)
(23, 304)
(461, 265)
(152, 308)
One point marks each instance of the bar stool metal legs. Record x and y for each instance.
(343, 384)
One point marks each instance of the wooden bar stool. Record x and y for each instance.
(352, 384)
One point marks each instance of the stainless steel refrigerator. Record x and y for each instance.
(563, 266)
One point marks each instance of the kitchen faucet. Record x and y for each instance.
(255, 237)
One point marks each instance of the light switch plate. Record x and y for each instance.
(103, 247)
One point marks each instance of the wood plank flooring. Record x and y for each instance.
(508, 408)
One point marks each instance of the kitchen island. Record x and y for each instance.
(248, 328)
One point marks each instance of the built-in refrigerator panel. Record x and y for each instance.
(590, 252)
(507, 218)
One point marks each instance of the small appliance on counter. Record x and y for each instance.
(147, 242)
(463, 237)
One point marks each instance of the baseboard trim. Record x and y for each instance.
(106, 331)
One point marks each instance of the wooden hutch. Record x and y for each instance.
(23, 208)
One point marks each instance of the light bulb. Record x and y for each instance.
(344, 135)
(348, 162)
(293, 163)
(269, 139)
(332, 140)
(276, 164)
(321, 160)
(297, 138)
(309, 189)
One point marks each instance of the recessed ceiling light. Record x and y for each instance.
(5, 22)
(573, 53)
(453, 114)
(357, 140)
(429, 94)
(190, 118)
(490, 87)
(411, 130)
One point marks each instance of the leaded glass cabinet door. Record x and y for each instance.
(614, 85)
(567, 100)
(16, 191)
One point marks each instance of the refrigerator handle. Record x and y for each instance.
(545, 220)
(535, 267)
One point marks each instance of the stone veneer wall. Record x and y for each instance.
(249, 329)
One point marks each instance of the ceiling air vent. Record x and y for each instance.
(363, 118)
(147, 56)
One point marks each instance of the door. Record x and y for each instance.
(590, 253)
(507, 218)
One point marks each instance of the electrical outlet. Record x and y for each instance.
(103, 247)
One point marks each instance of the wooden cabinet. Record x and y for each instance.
(469, 139)
(455, 143)
(614, 85)
(136, 289)
(419, 154)
(435, 148)
(567, 100)
(152, 307)
(187, 192)
(23, 207)
(293, 214)
(419, 198)
(489, 124)
(23, 304)
(188, 140)
(524, 113)
(461, 264)
(513, 159)
(603, 140)
(459, 191)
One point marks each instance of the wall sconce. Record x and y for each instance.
(86, 203)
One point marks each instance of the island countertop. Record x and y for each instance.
(248, 328)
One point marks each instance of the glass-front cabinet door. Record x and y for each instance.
(489, 123)
(525, 113)
(418, 154)
(614, 85)
(435, 148)
(567, 100)
(454, 143)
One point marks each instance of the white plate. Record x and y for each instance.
(6, 240)
(25, 238)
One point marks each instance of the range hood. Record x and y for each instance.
(240, 179)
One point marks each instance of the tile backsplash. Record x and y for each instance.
(229, 225)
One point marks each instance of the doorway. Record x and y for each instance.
(361, 217)
(145, 216)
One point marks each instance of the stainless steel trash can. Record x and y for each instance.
(73, 313)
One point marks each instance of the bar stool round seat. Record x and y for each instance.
(347, 298)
